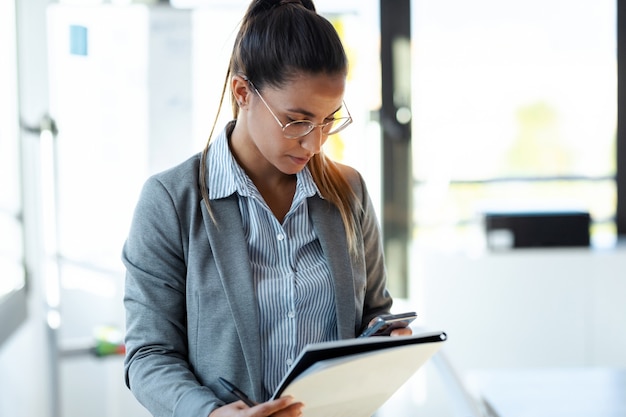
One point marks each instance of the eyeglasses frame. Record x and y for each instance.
(310, 123)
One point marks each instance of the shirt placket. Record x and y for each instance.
(289, 273)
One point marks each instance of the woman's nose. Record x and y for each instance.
(314, 140)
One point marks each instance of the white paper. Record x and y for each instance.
(357, 385)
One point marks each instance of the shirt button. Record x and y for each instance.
(289, 361)
(280, 237)
(291, 314)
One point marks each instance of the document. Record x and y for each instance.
(355, 377)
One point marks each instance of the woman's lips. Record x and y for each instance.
(300, 161)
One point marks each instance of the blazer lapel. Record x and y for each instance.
(231, 257)
(330, 231)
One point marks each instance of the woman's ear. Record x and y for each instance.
(241, 90)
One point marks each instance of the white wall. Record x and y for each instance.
(527, 308)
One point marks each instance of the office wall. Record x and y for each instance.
(526, 308)
(24, 370)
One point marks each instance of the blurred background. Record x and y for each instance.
(488, 133)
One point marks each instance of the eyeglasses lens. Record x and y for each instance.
(299, 128)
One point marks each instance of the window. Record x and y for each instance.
(514, 106)
(12, 291)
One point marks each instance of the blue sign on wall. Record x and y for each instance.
(78, 40)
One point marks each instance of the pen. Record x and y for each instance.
(237, 392)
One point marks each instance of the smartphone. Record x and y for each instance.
(384, 324)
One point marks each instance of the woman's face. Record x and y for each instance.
(316, 98)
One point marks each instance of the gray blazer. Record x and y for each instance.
(191, 313)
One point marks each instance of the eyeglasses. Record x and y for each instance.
(300, 128)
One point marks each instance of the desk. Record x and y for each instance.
(563, 392)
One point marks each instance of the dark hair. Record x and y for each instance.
(277, 41)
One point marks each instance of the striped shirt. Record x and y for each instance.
(294, 288)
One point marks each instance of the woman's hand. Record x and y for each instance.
(282, 407)
(404, 331)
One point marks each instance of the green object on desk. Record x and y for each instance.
(109, 341)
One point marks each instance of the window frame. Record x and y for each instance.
(620, 214)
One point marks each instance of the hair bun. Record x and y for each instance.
(269, 4)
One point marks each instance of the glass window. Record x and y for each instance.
(12, 302)
(515, 106)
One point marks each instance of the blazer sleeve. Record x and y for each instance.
(157, 368)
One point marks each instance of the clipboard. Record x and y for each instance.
(355, 377)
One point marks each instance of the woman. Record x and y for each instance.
(242, 255)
